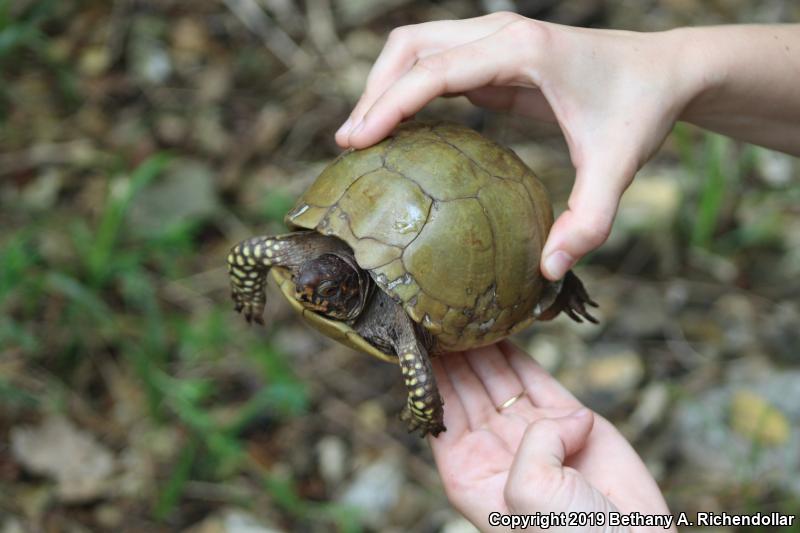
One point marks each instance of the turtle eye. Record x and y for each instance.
(326, 289)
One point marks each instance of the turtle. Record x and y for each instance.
(425, 243)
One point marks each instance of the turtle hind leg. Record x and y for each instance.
(574, 299)
(250, 261)
(424, 408)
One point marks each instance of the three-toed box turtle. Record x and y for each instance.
(427, 242)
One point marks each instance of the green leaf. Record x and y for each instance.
(171, 493)
(101, 254)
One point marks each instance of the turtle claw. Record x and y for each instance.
(571, 299)
(251, 310)
(576, 299)
(424, 427)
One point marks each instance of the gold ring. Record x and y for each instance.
(511, 401)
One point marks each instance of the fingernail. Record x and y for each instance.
(558, 263)
(358, 127)
(344, 128)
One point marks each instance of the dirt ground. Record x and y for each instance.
(140, 139)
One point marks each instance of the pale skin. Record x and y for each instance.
(544, 453)
(615, 96)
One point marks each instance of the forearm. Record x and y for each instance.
(747, 82)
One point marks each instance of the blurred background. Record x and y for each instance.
(140, 139)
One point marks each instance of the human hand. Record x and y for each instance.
(614, 94)
(544, 453)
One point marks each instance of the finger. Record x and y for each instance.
(406, 45)
(523, 101)
(498, 378)
(537, 469)
(543, 389)
(482, 62)
(549, 441)
(476, 401)
(455, 416)
(586, 224)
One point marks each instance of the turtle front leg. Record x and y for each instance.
(250, 261)
(424, 408)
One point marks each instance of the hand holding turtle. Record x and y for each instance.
(614, 94)
(544, 452)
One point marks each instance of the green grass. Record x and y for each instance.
(716, 168)
(105, 295)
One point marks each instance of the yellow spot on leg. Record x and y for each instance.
(257, 251)
(240, 260)
(419, 404)
(419, 392)
(269, 253)
(408, 357)
(411, 382)
(246, 251)
(418, 366)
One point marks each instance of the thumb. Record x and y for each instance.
(536, 473)
(586, 223)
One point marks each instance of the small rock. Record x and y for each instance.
(332, 458)
(747, 431)
(189, 37)
(12, 525)
(183, 193)
(652, 201)
(231, 521)
(376, 489)
(458, 524)
(371, 417)
(547, 352)
(80, 465)
(754, 417)
(94, 61)
(777, 169)
(149, 60)
(608, 378)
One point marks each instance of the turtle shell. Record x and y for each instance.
(448, 223)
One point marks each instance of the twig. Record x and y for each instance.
(274, 38)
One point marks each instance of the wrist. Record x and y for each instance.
(696, 63)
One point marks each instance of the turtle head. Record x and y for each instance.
(333, 285)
